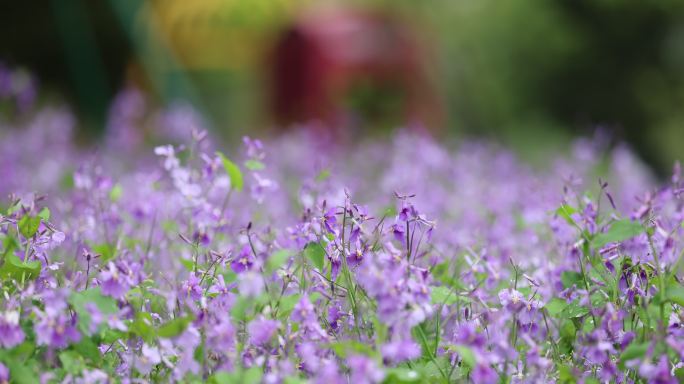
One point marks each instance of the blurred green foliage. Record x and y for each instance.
(531, 73)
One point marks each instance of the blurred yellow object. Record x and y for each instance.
(216, 34)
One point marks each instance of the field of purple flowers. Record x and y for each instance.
(291, 260)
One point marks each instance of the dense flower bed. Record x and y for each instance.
(399, 262)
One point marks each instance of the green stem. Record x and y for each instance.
(423, 339)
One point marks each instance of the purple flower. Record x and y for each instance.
(400, 350)
(659, 373)
(191, 287)
(308, 353)
(335, 315)
(528, 314)
(220, 288)
(186, 363)
(330, 221)
(303, 311)
(56, 330)
(398, 232)
(364, 370)
(243, 261)
(261, 330)
(11, 333)
(466, 333)
(170, 161)
(328, 373)
(254, 147)
(94, 376)
(148, 358)
(224, 297)
(221, 335)
(357, 256)
(512, 299)
(4, 374)
(251, 284)
(483, 373)
(113, 283)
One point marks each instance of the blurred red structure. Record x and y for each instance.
(346, 69)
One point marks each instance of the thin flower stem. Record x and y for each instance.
(431, 356)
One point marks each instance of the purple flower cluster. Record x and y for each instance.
(400, 261)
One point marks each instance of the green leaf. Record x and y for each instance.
(105, 251)
(142, 326)
(566, 211)
(252, 375)
(116, 192)
(675, 294)
(44, 214)
(242, 304)
(9, 244)
(72, 362)
(568, 331)
(566, 374)
(316, 253)
(14, 268)
(555, 306)
(254, 165)
(323, 175)
(80, 301)
(287, 304)
(443, 273)
(619, 231)
(174, 327)
(110, 336)
(187, 263)
(239, 309)
(432, 370)
(345, 348)
(239, 376)
(402, 375)
(573, 310)
(295, 380)
(233, 172)
(277, 260)
(634, 351)
(443, 295)
(467, 355)
(23, 350)
(28, 225)
(570, 278)
(223, 378)
(389, 211)
(88, 350)
(21, 371)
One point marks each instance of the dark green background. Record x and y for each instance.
(530, 73)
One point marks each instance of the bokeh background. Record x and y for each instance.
(531, 74)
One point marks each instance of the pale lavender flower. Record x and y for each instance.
(191, 287)
(113, 282)
(261, 330)
(251, 284)
(400, 350)
(56, 330)
(303, 311)
(4, 374)
(364, 370)
(11, 333)
(148, 358)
